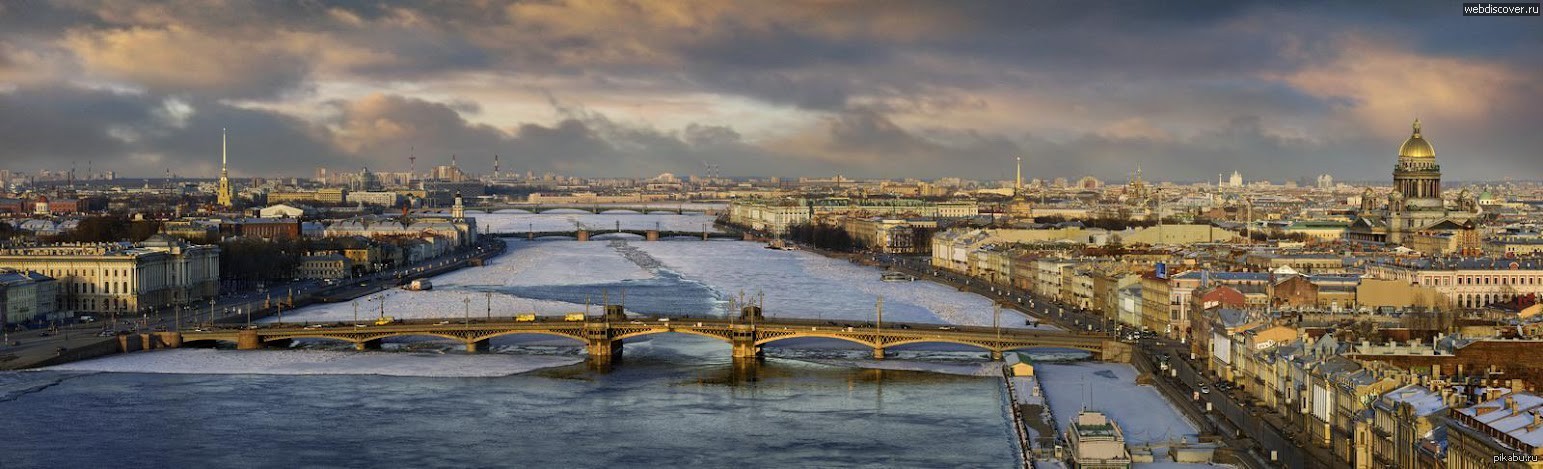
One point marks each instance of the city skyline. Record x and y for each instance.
(919, 92)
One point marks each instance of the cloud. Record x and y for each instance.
(898, 88)
(176, 59)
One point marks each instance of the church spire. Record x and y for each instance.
(223, 193)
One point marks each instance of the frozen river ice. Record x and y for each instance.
(674, 400)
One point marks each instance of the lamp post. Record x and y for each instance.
(467, 303)
(490, 306)
(996, 320)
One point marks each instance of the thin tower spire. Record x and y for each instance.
(1018, 181)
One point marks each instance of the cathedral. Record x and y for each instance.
(1414, 214)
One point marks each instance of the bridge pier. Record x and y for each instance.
(583, 235)
(878, 353)
(1116, 351)
(367, 345)
(169, 339)
(602, 349)
(474, 346)
(996, 355)
(743, 338)
(247, 339)
(651, 235)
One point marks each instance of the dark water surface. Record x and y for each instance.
(663, 406)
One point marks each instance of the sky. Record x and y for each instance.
(894, 88)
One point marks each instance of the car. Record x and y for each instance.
(903, 326)
(947, 328)
(1205, 389)
(635, 322)
(441, 323)
(314, 326)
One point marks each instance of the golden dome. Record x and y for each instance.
(1416, 146)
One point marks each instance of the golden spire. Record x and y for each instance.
(1417, 127)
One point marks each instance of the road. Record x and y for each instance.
(24, 348)
(1250, 427)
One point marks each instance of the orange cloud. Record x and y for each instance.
(1385, 87)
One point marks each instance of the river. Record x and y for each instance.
(672, 401)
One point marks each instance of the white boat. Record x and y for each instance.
(896, 277)
(420, 285)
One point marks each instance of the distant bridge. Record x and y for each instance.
(603, 335)
(595, 208)
(585, 234)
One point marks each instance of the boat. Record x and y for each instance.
(896, 277)
(419, 285)
(779, 245)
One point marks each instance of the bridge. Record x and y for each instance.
(637, 209)
(650, 235)
(603, 335)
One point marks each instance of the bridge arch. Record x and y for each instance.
(629, 335)
(509, 333)
(928, 340)
(615, 235)
(854, 340)
(620, 211)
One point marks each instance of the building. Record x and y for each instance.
(123, 278)
(286, 211)
(1096, 442)
(1400, 422)
(267, 228)
(1466, 282)
(325, 195)
(379, 198)
(1501, 433)
(776, 215)
(888, 235)
(1316, 229)
(325, 266)
(27, 297)
(1415, 204)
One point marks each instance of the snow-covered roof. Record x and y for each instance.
(1514, 414)
(1423, 400)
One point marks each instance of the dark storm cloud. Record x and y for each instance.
(133, 133)
(883, 88)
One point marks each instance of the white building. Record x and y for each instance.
(123, 277)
